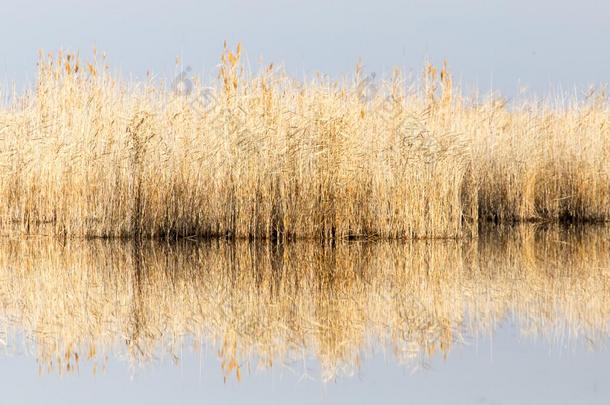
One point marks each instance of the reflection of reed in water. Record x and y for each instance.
(264, 304)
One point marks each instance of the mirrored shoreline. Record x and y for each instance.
(264, 306)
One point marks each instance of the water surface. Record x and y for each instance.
(520, 315)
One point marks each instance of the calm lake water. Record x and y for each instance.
(520, 315)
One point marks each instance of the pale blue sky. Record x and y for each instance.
(487, 42)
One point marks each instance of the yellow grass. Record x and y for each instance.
(261, 305)
(264, 156)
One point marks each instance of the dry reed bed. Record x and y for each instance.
(263, 305)
(264, 156)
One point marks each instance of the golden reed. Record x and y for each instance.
(257, 305)
(263, 156)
